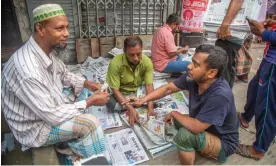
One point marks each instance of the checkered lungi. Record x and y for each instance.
(83, 134)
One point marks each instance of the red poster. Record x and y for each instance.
(193, 14)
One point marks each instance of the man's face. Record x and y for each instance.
(175, 28)
(55, 32)
(197, 70)
(134, 54)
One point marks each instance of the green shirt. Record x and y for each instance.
(121, 76)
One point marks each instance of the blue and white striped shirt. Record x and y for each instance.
(31, 96)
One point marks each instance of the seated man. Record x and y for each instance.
(212, 125)
(164, 53)
(127, 72)
(32, 82)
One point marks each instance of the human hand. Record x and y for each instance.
(256, 27)
(98, 99)
(168, 118)
(133, 115)
(92, 86)
(223, 32)
(185, 49)
(269, 23)
(138, 102)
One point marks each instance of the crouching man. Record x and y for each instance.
(212, 126)
(127, 72)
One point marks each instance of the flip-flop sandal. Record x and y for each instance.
(244, 150)
(240, 119)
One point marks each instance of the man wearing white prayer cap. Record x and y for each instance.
(32, 100)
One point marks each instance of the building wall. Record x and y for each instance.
(23, 19)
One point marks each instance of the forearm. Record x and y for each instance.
(233, 9)
(186, 121)
(118, 96)
(160, 92)
(149, 89)
(191, 124)
(173, 54)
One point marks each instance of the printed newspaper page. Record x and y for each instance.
(108, 120)
(124, 148)
(218, 8)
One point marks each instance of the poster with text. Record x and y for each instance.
(193, 15)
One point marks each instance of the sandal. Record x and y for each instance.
(244, 150)
(246, 125)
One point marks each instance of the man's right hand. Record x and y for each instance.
(223, 32)
(268, 23)
(98, 99)
(184, 49)
(138, 102)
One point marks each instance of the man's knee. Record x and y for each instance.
(186, 140)
(85, 124)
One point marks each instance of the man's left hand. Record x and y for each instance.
(256, 27)
(92, 86)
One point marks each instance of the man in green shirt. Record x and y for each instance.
(127, 72)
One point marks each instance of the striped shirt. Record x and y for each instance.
(31, 96)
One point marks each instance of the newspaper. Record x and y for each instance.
(124, 148)
(157, 75)
(95, 69)
(217, 9)
(107, 120)
(239, 27)
(152, 136)
(157, 127)
(141, 91)
(115, 51)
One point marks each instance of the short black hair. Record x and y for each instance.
(173, 19)
(132, 41)
(217, 57)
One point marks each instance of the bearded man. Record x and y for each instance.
(32, 101)
(212, 125)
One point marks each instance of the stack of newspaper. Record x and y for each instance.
(95, 69)
(158, 76)
(115, 51)
(239, 27)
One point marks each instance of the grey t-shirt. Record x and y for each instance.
(215, 106)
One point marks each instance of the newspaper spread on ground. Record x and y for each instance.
(141, 91)
(124, 148)
(108, 120)
(155, 135)
(154, 144)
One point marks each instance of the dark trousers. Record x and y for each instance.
(231, 49)
(261, 102)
